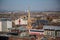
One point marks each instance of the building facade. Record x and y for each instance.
(5, 24)
(20, 21)
(52, 32)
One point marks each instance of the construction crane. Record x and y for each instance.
(29, 21)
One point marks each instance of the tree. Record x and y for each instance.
(49, 18)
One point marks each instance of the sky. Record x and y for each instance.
(33, 5)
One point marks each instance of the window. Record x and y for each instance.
(45, 32)
(58, 34)
(52, 33)
(48, 33)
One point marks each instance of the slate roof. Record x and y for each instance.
(51, 27)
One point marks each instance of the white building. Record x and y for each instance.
(21, 21)
(56, 20)
(5, 24)
(53, 31)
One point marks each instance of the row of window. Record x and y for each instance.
(52, 33)
(58, 34)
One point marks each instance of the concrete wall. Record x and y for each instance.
(4, 25)
(9, 24)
